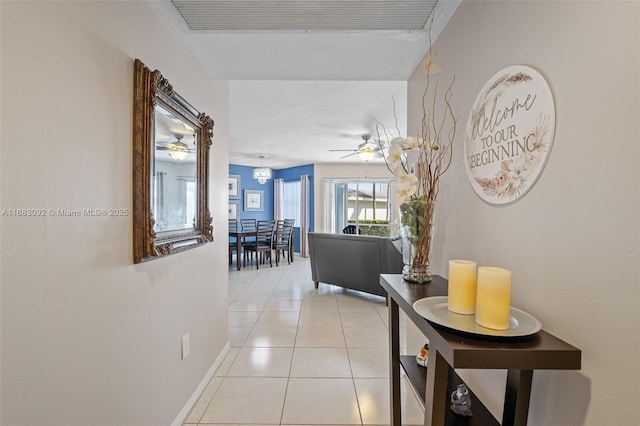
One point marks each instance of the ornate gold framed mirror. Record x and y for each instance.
(171, 143)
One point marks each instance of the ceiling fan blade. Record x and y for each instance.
(348, 155)
(168, 148)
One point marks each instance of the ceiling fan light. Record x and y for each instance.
(178, 151)
(366, 154)
(262, 174)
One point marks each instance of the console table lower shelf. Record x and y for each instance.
(417, 375)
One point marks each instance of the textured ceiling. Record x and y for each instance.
(308, 75)
(297, 122)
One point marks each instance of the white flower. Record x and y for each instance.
(403, 154)
(397, 142)
(412, 143)
(394, 158)
(406, 187)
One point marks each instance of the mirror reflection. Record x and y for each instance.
(174, 186)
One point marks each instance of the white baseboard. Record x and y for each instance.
(182, 415)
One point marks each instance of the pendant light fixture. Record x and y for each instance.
(262, 174)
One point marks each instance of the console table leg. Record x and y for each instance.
(435, 401)
(516, 399)
(394, 362)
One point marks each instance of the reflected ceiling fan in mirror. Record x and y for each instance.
(366, 150)
(177, 150)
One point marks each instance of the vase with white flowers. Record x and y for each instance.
(417, 164)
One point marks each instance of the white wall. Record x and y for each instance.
(88, 337)
(572, 241)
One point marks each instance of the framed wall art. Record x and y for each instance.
(234, 186)
(253, 200)
(233, 209)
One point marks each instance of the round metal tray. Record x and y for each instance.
(435, 309)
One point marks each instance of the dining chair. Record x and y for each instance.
(262, 245)
(233, 227)
(350, 229)
(248, 225)
(282, 239)
(293, 224)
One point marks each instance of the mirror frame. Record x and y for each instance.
(150, 88)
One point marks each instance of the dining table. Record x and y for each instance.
(239, 236)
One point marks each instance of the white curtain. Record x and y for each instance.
(328, 198)
(159, 199)
(278, 199)
(304, 215)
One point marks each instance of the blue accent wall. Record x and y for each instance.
(248, 182)
(289, 175)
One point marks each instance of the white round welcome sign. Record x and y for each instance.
(509, 134)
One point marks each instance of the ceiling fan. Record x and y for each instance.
(366, 150)
(177, 150)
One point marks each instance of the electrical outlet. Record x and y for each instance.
(186, 346)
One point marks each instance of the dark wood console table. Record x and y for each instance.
(449, 350)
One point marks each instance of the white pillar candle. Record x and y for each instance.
(493, 303)
(462, 286)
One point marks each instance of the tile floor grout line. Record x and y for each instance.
(293, 352)
(286, 390)
(353, 382)
(214, 393)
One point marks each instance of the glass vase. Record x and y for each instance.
(417, 232)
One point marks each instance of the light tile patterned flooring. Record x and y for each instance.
(301, 356)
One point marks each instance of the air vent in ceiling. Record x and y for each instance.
(300, 15)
